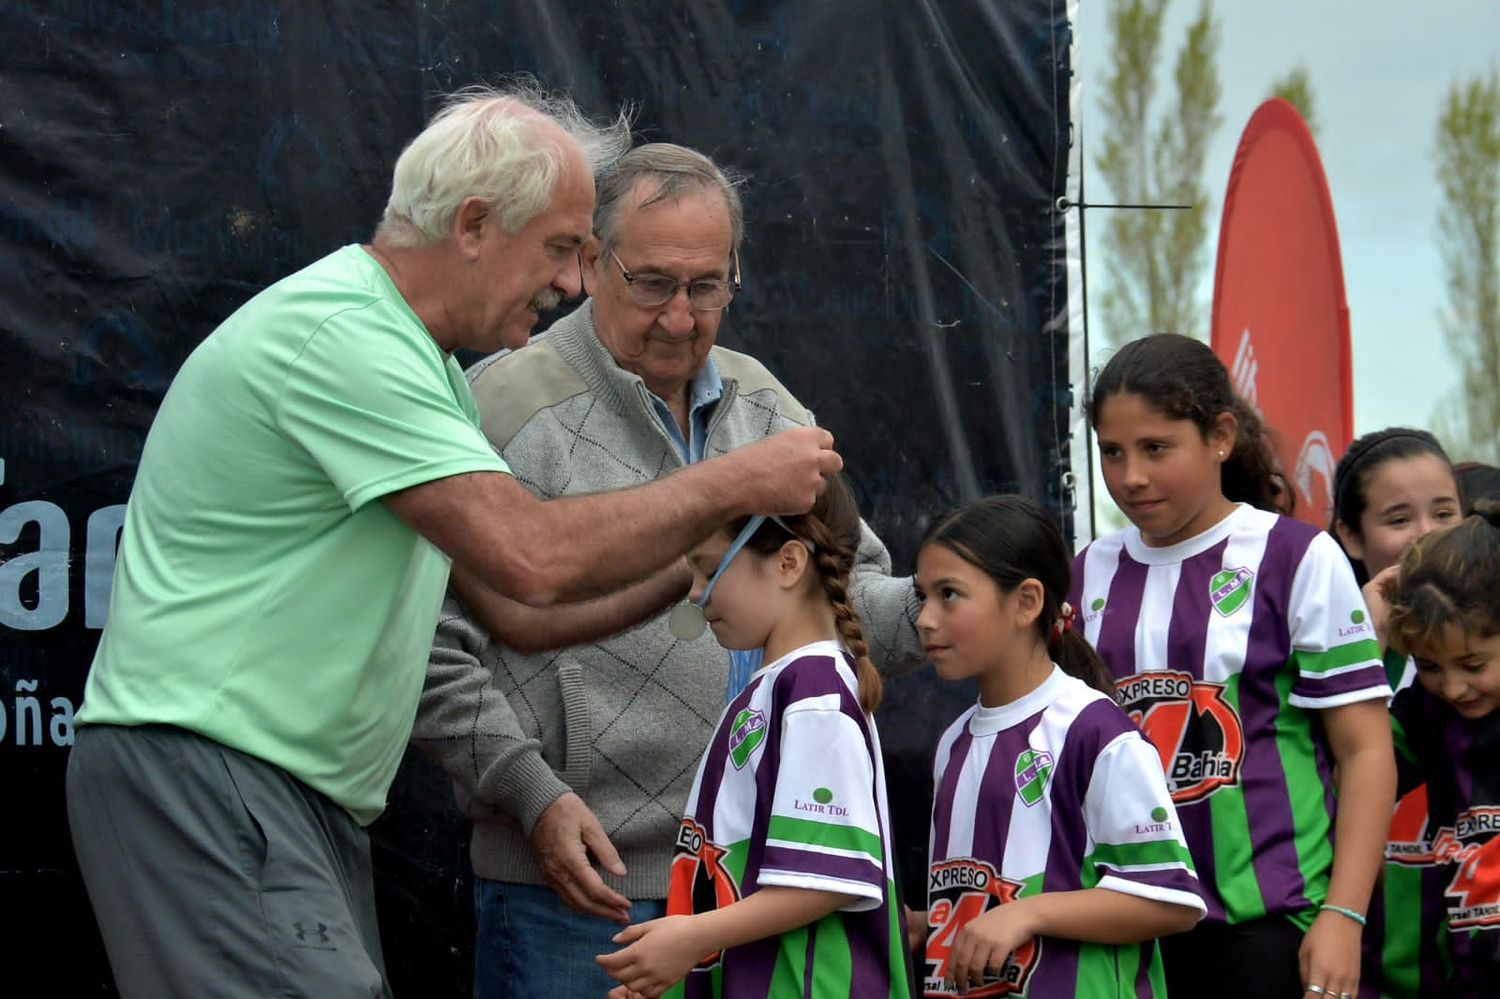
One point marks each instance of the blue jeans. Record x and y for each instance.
(530, 945)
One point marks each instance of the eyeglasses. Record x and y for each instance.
(652, 291)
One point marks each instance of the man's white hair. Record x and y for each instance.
(493, 143)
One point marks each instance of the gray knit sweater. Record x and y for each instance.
(622, 722)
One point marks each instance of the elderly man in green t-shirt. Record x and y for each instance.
(312, 471)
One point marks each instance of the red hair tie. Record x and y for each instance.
(1063, 622)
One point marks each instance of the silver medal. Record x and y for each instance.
(687, 622)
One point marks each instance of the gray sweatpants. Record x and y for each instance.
(213, 873)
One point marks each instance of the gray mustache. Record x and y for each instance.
(546, 299)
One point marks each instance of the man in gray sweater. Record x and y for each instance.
(557, 756)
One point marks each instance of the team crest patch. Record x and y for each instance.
(1194, 728)
(1033, 769)
(1229, 590)
(960, 890)
(747, 732)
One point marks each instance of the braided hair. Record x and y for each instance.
(832, 528)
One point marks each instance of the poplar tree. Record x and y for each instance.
(1296, 89)
(1468, 174)
(1155, 258)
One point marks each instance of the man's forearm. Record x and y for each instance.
(594, 544)
(580, 547)
(532, 630)
(574, 548)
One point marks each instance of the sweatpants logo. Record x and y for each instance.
(312, 934)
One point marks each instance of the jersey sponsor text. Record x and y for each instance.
(1195, 731)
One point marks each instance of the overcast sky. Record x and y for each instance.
(1379, 71)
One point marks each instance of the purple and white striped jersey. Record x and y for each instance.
(1056, 791)
(1457, 758)
(1223, 646)
(791, 792)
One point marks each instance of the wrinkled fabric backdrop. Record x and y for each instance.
(161, 162)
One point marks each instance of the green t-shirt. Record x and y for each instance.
(263, 597)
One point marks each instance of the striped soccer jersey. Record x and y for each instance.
(1222, 647)
(1457, 758)
(1405, 952)
(791, 792)
(1056, 791)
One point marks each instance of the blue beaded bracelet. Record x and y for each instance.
(1343, 912)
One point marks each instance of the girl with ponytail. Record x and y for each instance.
(784, 860)
(1056, 854)
(1240, 643)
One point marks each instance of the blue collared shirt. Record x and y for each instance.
(704, 391)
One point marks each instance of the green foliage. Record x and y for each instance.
(1468, 173)
(1296, 89)
(1156, 257)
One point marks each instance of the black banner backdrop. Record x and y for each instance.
(161, 162)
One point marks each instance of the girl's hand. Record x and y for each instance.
(986, 941)
(1330, 956)
(659, 954)
(1377, 594)
(916, 929)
